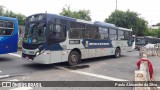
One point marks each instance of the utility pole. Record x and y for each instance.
(116, 4)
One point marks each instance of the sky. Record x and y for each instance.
(100, 9)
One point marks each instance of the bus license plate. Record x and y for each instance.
(27, 58)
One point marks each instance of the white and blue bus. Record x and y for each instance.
(8, 35)
(51, 38)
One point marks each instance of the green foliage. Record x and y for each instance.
(153, 32)
(80, 14)
(1, 10)
(128, 19)
(7, 13)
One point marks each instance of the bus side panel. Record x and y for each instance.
(9, 44)
(92, 53)
(104, 51)
(56, 56)
(65, 54)
(98, 52)
(43, 58)
(84, 53)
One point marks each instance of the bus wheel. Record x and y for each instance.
(73, 58)
(117, 53)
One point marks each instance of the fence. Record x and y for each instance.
(155, 51)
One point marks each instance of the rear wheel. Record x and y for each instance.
(117, 53)
(73, 58)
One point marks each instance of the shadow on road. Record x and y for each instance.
(39, 67)
(5, 59)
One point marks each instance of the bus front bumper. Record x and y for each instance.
(43, 58)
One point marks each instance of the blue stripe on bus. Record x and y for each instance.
(87, 43)
(55, 47)
(92, 43)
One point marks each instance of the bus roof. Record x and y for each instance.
(56, 16)
(65, 18)
(7, 18)
(96, 23)
(103, 24)
(125, 29)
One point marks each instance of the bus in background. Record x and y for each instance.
(8, 35)
(51, 38)
(144, 40)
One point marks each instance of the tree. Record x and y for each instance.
(153, 32)
(7, 13)
(80, 14)
(128, 19)
(1, 10)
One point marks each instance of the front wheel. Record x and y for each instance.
(73, 58)
(117, 53)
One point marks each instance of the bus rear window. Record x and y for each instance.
(6, 31)
(6, 27)
(8, 24)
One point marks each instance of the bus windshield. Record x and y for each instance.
(140, 41)
(35, 33)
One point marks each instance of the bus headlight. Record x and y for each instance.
(37, 53)
(34, 40)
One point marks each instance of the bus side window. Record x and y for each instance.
(120, 35)
(77, 30)
(6, 27)
(112, 34)
(57, 33)
(103, 33)
(60, 31)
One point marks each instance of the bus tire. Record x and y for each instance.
(73, 58)
(117, 53)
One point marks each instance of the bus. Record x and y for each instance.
(8, 35)
(144, 40)
(51, 38)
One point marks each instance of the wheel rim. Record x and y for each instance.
(74, 58)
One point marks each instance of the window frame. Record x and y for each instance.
(53, 40)
(120, 34)
(110, 34)
(92, 33)
(13, 29)
(103, 33)
(80, 29)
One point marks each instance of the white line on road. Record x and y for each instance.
(14, 80)
(93, 75)
(22, 88)
(15, 54)
(4, 76)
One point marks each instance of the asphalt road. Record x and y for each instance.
(97, 69)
